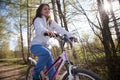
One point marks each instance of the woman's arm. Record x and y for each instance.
(59, 29)
(39, 28)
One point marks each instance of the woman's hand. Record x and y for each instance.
(74, 39)
(51, 34)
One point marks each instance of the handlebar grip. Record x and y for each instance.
(46, 34)
(71, 38)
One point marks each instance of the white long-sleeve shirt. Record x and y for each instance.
(41, 26)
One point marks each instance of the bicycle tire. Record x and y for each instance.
(29, 72)
(82, 74)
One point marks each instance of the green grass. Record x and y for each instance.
(13, 61)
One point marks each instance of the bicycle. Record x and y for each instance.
(72, 72)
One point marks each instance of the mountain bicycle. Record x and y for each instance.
(72, 72)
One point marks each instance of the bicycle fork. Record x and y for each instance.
(69, 70)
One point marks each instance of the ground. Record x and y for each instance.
(12, 72)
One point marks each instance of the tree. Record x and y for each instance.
(104, 35)
(61, 14)
(54, 10)
(4, 35)
(4, 49)
(28, 29)
(21, 32)
(4, 32)
(115, 24)
(109, 46)
(17, 14)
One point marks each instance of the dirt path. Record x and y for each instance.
(14, 72)
(11, 72)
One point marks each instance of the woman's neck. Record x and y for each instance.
(46, 17)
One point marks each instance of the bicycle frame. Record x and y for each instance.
(62, 59)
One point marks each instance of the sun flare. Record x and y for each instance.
(106, 6)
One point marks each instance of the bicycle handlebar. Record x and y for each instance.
(64, 38)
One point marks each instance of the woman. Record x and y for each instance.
(39, 44)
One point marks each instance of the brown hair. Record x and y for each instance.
(38, 11)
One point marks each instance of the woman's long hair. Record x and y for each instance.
(38, 11)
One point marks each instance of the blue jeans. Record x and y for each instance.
(44, 59)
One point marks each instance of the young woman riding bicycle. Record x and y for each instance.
(39, 45)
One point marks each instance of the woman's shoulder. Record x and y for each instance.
(38, 19)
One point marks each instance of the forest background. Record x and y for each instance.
(96, 24)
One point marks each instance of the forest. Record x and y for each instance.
(95, 23)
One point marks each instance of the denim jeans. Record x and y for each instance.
(44, 59)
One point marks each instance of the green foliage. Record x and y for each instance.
(56, 51)
(90, 55)
(4, 33)
(4, 36)
(4, 49)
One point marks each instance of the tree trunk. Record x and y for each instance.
(54, 10)
(115, 25)
(109, 47)
(28, 31)
(21, 36)
(59, 11)
(62, 17)
(40, 1)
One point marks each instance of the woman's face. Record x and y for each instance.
(45, 11)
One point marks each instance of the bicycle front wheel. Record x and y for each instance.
(82, 74)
